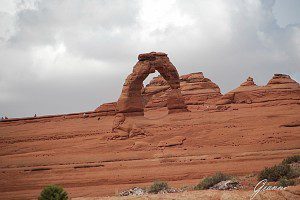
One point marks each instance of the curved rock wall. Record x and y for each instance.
(131, 100)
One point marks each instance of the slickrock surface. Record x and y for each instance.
(177, 140)
(280, 88)
(195, 89)
(77, 154)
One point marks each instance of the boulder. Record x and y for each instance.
(226, 185)
(135, 191)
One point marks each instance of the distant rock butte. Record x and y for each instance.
(195, 89)
(280, 87)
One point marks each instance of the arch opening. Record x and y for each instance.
(131, 100)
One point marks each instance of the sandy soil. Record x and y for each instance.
(76, 154)
(292, 193)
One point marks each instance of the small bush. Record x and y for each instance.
(291, 159)
(284, 182)
(53, 192)
(211, 181)
(276, 172)
(158, 186)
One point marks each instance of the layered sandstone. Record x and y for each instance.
(107, 107)
(195, 89)
(77, 154)
(131, 100)
(280, 87)
(249, 82)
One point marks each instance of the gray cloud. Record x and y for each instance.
(70, 56)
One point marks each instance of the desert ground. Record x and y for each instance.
(79, 154)
(292, 193)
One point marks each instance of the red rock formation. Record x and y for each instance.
(195, 89)
(249, 82)
(131, 100)
(107, 107)
(280, 87)
(281, 79)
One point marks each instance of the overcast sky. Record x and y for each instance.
(64, 56)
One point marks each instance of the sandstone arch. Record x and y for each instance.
(131, 100)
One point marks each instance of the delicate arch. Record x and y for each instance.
(131, 100)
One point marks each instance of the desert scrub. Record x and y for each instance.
(284, 182)
(276, 172)
(158, 186)
(291, 159)
(53, 192)
(211, 181)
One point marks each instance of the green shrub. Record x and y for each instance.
(291, 159)
(211, 181)
(284, 182)
(53, 192)
(276, 172)
(158, 186)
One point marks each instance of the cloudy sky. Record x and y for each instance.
(63, 56)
